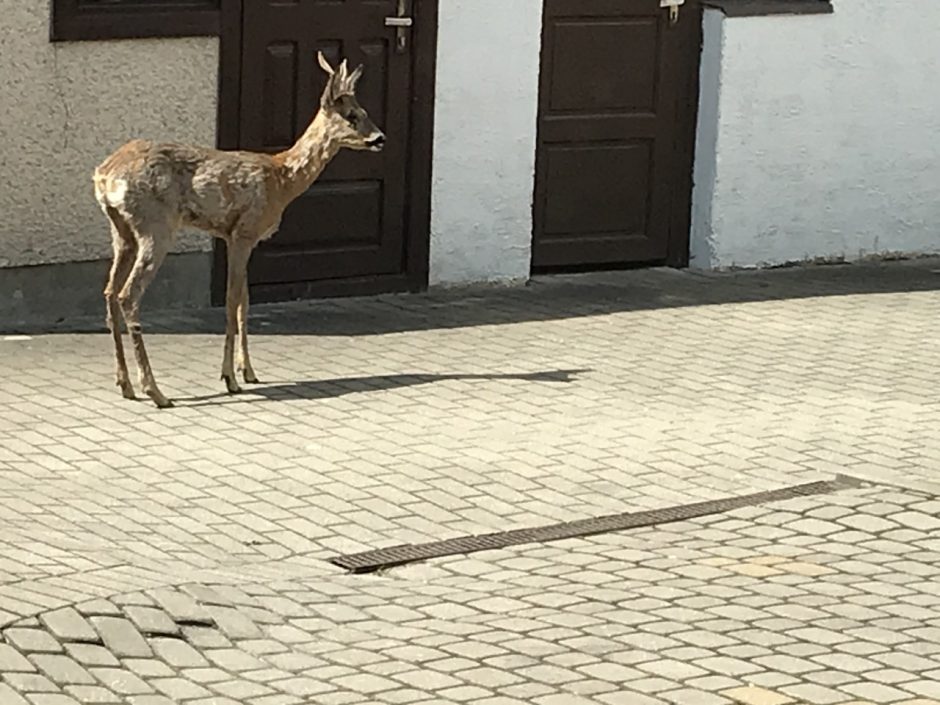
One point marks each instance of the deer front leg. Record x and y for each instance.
(244, 361)
(237, 287)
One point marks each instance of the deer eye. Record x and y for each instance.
(351, 118)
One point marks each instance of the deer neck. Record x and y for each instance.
(308, 157)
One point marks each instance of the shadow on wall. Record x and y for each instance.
(543, 299)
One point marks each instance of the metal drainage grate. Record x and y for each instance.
(371, 561)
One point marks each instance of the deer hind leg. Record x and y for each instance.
(125, 251)
(236, 295)
(244, 361)
(152, 247)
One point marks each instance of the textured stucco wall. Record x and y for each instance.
(825, 136)
(65, 107)
(484, 147)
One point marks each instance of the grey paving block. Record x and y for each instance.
(151, 621)
(121, 637)
(68, 625)
(62, 670)
(12, 661)
(178, 653)
(31, 640)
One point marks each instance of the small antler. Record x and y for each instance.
(341, 81)
(324, 64)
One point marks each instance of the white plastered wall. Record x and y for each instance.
(64, 107)
(818, 136)
(484, 145)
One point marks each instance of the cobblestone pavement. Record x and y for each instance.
(154, 557)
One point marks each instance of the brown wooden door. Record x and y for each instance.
(359, 228)
(616, 107)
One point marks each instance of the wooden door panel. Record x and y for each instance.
(277, 95)
(611, 82)
(599, 188)
(616, 44)
(346, 209)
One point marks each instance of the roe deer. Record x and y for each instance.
(149, 191)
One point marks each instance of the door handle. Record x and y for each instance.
(401, 23)
(673, 6)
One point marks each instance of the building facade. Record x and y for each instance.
(531, 135)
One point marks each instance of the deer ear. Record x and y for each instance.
(324, 64)
(354, 77)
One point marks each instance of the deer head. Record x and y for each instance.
(348, 121)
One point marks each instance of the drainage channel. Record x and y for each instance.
(378, 559)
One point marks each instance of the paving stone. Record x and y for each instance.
(488, 677)
(8, 696)
(233, 660)
(148, 668)
(675, 670)
(629, 698)
(90, 655)
(563, 699)
(204, 675)
(727, 666)
(179, 689)
(814, 694)
(205, 638)
(691, 696)
(788, 664)
(365, 683)
(121, 681)
(29, 641)
(62, 669)
(68, 625)
(98, 607)
(875, 692)
(92, 694)
(178, 653)
(241, 690)
(151, 621)
(924, 688)
(181, 607)
(613, 672)
(53, 699)
(121, 637)
(30, 683)
(918, 520)
(890, 675)
(653, 685)
(13, 661)
(234, 624)
(302, 686)
(206, 595)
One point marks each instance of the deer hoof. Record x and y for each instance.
(161, 401)
(251, 378)
(231, 384)
(127, 389)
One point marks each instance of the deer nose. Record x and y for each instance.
(377, 142)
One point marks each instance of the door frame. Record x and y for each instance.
(420, 154)
(680, 235)
(680, 168)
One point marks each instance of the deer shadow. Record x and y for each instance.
(312, 390)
